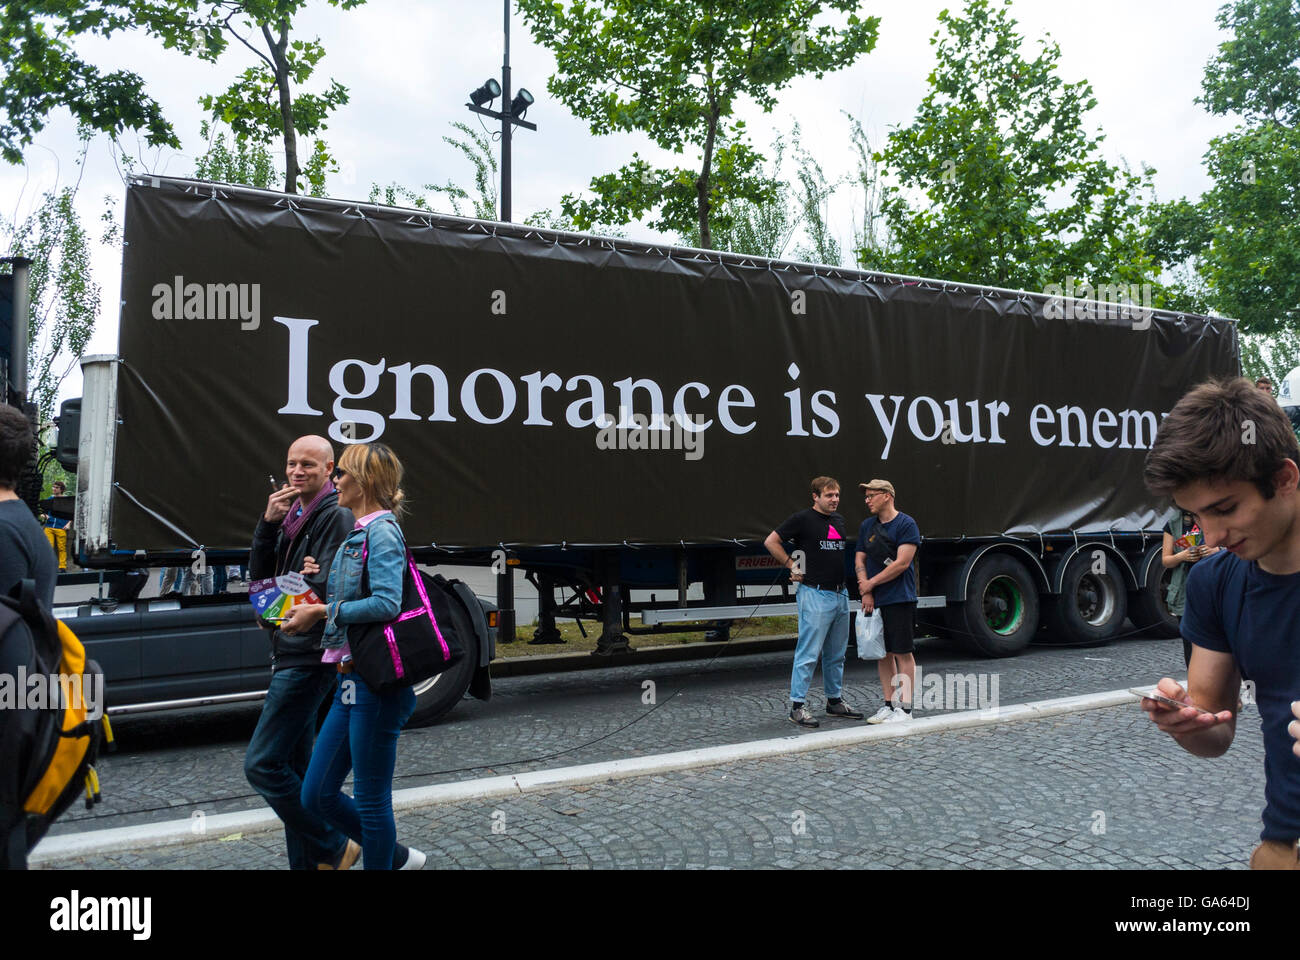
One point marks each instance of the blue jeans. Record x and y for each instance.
(277, 760)
(360, 734)
(824, 632)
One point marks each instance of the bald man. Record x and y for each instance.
(302, 519)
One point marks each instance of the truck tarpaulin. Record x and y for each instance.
(543, 388)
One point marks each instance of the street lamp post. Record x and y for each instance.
(511, 113)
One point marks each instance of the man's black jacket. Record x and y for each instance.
(273, 554)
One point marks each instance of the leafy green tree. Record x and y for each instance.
(40, 72)
(1012, 189)
(796, 207)
(1273, 355)
(1252, 259)
(260, 106)
(871, 244)
(64, 298)
(477, 148)
(242, 161)
(675, 70)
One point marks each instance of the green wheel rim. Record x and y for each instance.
(1004, 622)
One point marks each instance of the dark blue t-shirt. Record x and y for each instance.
(1235, 607)
(881, 551)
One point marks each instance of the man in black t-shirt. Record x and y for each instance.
(24, 551)
(817, 565)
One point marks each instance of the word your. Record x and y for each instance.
(40, 691)
(1109, 301)
(73, 913)
(641, 433)
(179, 300)
(950, 691)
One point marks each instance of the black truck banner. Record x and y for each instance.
(544, 388)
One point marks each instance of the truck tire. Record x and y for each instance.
(1149, 611)
(1091, 607)
(999, 616)
(434, 698)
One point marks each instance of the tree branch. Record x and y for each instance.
(231, 30)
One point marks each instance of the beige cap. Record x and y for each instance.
(883, 485)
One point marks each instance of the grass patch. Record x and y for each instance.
(576, 643)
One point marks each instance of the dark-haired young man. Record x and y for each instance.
(1227, 454)
(24, 551)
(818, 535)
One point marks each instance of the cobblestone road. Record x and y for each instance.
(173, 764)
(1099, 789)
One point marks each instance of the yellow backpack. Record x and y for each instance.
(51, 722)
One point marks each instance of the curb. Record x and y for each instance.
(232, 826)
(531, 665)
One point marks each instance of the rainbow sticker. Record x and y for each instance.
(275, 598)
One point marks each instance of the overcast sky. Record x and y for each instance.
(410, 65)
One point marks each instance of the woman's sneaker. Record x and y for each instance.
(408, 858)
(881, 715)
(801, 716)
(899, 715)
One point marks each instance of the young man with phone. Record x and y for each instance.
(818, 535)
(301, 521)
(1227, 454)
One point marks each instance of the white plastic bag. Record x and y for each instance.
(871, 636)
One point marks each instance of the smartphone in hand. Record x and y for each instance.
(1159, 697)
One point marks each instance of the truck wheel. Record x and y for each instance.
(1091, 607)
(434, 698)
(1149, 611)
(1000, 613)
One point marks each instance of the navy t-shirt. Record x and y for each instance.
(883, 550)
(24, 552)
(1235, 607)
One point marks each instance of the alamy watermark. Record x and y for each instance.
(1107, 301)
(51, 691)
(179, 300)
(949, 691)
(636, 431)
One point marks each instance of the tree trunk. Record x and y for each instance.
(291, 169)
(702, 184)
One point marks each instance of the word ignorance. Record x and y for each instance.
(489, 396)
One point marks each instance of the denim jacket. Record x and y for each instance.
(386, 559)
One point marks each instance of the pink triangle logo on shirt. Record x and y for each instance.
(832, 533)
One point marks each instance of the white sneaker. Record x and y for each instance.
(899, 715)
(414, 859)
(881, 715)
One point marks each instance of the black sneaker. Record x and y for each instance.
(842, 711)
(801, 716)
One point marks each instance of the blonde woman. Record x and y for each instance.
(360, 733)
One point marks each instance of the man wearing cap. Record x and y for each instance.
(887, 544)
(818, 536)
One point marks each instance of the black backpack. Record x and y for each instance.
(48, 746)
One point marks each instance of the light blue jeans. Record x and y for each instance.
(824, 633)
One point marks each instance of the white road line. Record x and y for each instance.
(217, 827)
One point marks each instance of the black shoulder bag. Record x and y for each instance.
(419, 643)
